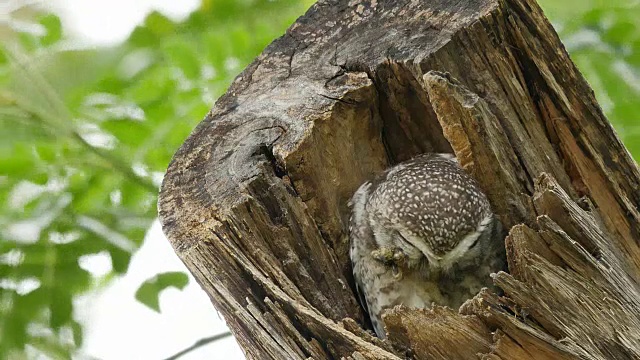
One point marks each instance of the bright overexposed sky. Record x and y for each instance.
(117, 326)
(110, 21)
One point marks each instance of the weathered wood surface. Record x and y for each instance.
(254, 202)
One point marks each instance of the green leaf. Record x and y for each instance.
(184, 57)
(78, 334)
(145, 95)
(54, 29)
(149, 292)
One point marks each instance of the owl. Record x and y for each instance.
(422, 232)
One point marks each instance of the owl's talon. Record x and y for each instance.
(398, 256)
(383, 254)
(396, 272)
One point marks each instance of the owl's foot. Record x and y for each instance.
(383, 254)
(389, 256)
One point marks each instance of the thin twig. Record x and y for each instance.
(51, 119)
(117, 164)
(198, 344)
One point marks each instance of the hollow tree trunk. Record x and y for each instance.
(255, 201)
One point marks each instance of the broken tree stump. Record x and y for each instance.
(255, 200)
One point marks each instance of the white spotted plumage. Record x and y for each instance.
(422, 232)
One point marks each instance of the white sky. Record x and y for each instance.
(117, 326)
(111, 21)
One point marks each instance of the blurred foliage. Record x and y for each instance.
(86, 137)
(87, 134)
(149, 292)
(603, 38)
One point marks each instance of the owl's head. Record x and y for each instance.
(433, 212)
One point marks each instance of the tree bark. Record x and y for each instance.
(255, 200)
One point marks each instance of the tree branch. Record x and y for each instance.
(200, 343)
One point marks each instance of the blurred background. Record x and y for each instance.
(96, 96)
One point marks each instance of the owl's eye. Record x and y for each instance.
(474, 243)
(403, 242)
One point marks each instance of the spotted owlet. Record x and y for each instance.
(422, 232)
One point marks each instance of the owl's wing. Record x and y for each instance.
(361, 298)
(359, 233)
